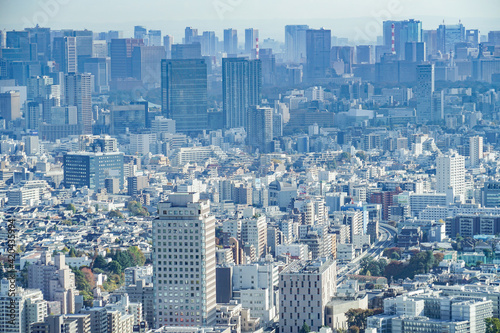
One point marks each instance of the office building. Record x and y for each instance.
(305, 289)
(146, 64)
(404, 31)
(186, 51)
(140, 32)
(415, 52)
(259, 128)
(78, 92)
(168, 41)
(490, 194)
(184, 93)
(128, 118)
(64, 52)
(189, 230)
(448, 36)
(318, 47)
(99, 68)
(295, 43)
(91, 169)
(423, 94)
(154, 37)
(475, 150)
(231, 41)
(241, 88)
(10, 105)
(190, 35)
(251, 38)
(121, 56)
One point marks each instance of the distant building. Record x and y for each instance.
(91, 169)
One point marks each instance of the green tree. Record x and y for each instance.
(115, 267)
(115, 213)
(492, 325)
(71, 207)
(100, 262)
(72, 252)
(305, 328)
(136, 209)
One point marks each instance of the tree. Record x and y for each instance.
(305, 328)
(136, 209)
(115, 267)
(100, 262)
(354, 329)
(72, 252)
(71, 207)
(115, 213)
(492, 325)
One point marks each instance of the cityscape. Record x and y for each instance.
(231, 166)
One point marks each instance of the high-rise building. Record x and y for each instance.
(404, 31)
(209, 43)
(295, 43)
(186, 51)
(140, 32)
(259, 128)
(19, 46)
(99, 68)
(64, 52)
(184, 262)
(494, 37)
(423, 93)
(364, 54)
(33, 115)
(231, 41)
(184, 93)
(154, 37)
(41, 37)
(251, 37)
(318, 47)
(190, 35)
(121, 57)
(241, 88)
(415, 52)
(91, 169)
(450, 173)
(305, 289)
(475, 150)
(146, 64)
(168, 41)
(78, 92)
(10, 105)
(448, 36)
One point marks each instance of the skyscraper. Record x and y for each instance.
(184, 93)
(78, 92)
(189, 35)
(259, 128)
(154, 37)
(241, 88)
(64, 52)
(415, 52)
(423, 93)
(184, 262)
(318, 44)
(209, 43)
(475, 150)
(140, 32)
(404, 31)
(450, 173)
(121, 57)
(10, 105)
(231, 41)
(295, 43)
(41, 37)
(168, 41)
(146, 64)
(448, 36)
(251, 36)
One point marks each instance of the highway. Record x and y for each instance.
(375, 251)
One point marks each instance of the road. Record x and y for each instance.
(375, 251)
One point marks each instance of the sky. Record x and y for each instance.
(354, 19)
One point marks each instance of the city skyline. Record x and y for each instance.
(354, 21)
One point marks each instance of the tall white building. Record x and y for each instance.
(450, 173)
(475, 150)
(184, 262)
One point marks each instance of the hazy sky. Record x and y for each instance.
(357, 19)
